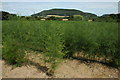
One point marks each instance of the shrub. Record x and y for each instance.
(12, 51)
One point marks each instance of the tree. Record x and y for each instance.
(77, 17)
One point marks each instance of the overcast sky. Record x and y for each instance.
(26, 8)
(59, 0)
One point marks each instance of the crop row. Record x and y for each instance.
(57, 39)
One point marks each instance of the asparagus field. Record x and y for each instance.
(57, 40)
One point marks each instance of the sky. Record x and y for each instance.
(25, 8)
(59, 0)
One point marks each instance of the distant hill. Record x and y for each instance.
(112, 15)
(109, 18)
(6, 15)
(64, 12)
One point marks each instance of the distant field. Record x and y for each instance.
(58, 39)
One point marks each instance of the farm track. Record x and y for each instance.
(67, 69)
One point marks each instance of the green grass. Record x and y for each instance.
(56, 39)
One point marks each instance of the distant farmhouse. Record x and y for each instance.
(64, 19)
(42, 19)
(90, 20)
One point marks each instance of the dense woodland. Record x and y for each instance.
(6, 15)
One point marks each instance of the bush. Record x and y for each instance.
(12, 51)
(77, 17)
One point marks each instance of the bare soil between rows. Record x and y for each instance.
(66, 69)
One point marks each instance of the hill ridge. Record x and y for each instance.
(64, 12)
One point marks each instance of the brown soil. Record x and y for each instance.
(67, 69)
(77, 69)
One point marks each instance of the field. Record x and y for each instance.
(57, 40)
